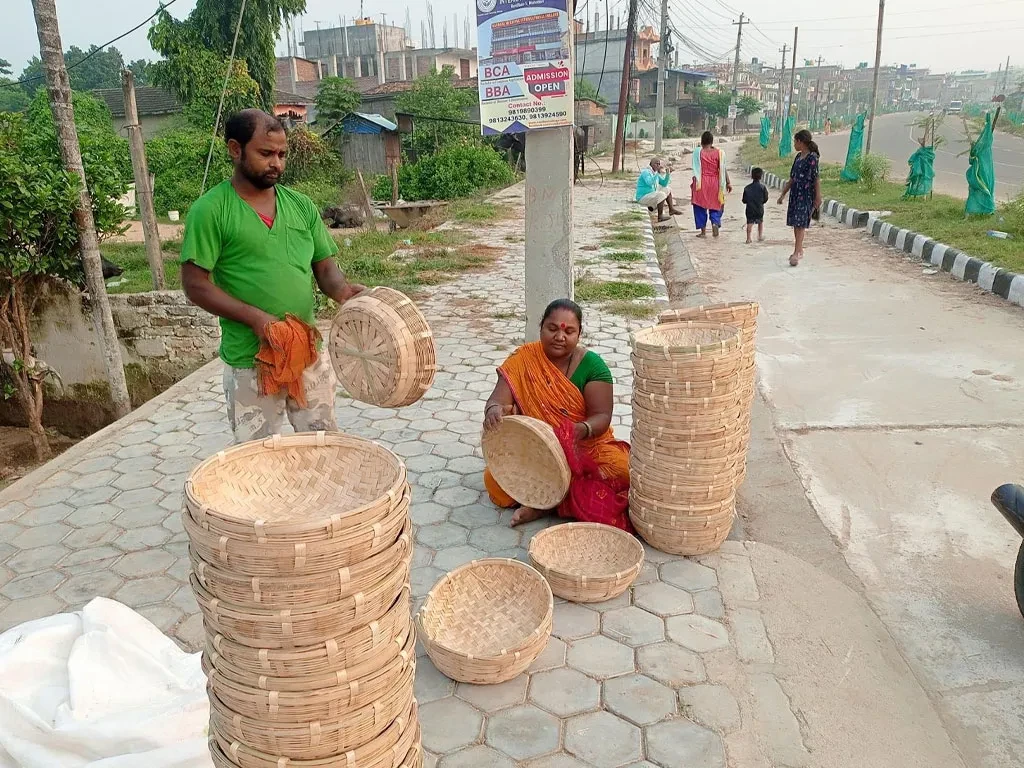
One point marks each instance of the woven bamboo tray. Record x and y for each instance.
(682, 542)
(286, 591)
(303, 626)
(298, 488)
(373, 642)
(672, 420)
(248, 558)
(586, 562)
(664, 472)
(683, 493)
(673, 406)
(382, 349)
(697, 374)
(527, 461)
(711, 448)
(674, 388)
(693, 515)
(321, 697)
(740, 314)
(389, 750)
(486, 621)
(686, 341)
(658, 459)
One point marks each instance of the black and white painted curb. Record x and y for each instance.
(962, 266)
(652, 265)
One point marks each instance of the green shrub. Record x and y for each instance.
(458, 170)
(177, 158)
(322, 192)
(874, 169)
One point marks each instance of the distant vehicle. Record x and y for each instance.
(955, 107)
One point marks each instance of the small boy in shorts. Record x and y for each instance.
(755, 195)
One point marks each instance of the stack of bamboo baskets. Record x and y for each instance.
(692, 391)
(301, 550)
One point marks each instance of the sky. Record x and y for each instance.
(928, 33)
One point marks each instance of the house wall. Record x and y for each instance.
(151, 124)
(364, 151)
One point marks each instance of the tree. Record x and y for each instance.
(140, 69)
(435, 95)
(12, 97)
(335, 98)
(5, 67)
(714, 104)
(102, 68)
(747, 105)
(586, 90)
(33, 76)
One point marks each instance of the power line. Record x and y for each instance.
(98, 49)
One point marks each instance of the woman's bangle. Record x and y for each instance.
(492, 405)
(590, 429)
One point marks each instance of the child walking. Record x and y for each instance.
(755, 195)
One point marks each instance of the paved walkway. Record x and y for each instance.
(674, 673)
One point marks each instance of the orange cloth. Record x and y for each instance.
(290, 349)
(540, 390)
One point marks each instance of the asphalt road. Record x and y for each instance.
(893, 136)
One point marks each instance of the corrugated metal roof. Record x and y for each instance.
(379, 120)
(149, 99)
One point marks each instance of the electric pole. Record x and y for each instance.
(627, 66)
(1006, 76)
(792, 73)
(736, 65)
(782, 78)
(143, 192)
(659, 113)
(874, 84)
(817, 93)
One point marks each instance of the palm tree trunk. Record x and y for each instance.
(59, 88)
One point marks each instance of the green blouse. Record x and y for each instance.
(591, 368)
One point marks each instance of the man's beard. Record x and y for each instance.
(264, 180)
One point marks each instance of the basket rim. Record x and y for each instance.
(671, 315)
(511, 650)
(319, 439)
(556, 530)
(537, 428)
(730, 342)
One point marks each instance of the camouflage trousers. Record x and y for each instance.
(253, 417)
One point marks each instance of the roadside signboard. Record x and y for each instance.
(524, 65)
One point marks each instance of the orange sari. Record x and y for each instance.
(599, 490)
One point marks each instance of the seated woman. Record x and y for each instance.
(561, 383)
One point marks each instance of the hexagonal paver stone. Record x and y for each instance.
(41, 535)
(573, 621)
(663, 599)
(38, 559)
(632, 626)
(430, 683)
(639, 699)
(494, 538)
(601, 657)
(33, 585)
(451, 558)
(564, 692)
(689, 575)
(552, 656)
(442, 535)
(20, 611)
(476, 757)
(145, 591)
(449, 724)
(561, 760)
(51, 513)
(144, 563)
(491, 698)
(474, 516)
(136, 480)
(603, 740)
(426, 513)
(457, 496)
(682, 744)
(698, 633)
(522, 732)
(708, 603)
(710, 705)
(670, 664)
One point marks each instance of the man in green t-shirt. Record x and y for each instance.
(251, 252)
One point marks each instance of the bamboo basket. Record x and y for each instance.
(684, 493)
(674, 388)
(373, 644)
(698, 373)
(486, 621)
(382, 349)
(710, 448)
(289, 590)
(309, 487)
(693, 515)
(676, 541)
(660, 461)
(686, 342)
(740, 314)
(671, 407)
(586, 562)
(248, 558)
(303, 626)
(732, 415)
(527, 461)
(388, 750)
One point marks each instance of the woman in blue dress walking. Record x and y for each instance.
(804, 188)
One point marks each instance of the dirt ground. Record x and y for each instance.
(134, 233)
(17, 457)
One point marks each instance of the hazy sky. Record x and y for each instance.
(941, 34)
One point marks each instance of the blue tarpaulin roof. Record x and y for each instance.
(362, 122)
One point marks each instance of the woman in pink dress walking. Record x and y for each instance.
(710, 183)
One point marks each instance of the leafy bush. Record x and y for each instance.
(873, 168)
(310, 158)
(177, 159)
(457, 170)
(322, 192)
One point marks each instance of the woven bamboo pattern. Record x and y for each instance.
(486, 621)
(678, 541)
(382, 349)
(527, 461)
(586, 562)
(298, 488)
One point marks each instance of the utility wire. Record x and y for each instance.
(223, 91)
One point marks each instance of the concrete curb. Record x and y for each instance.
(652, 266)
(987, 276)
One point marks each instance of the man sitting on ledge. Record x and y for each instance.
(653, 191)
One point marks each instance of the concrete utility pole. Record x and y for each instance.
(817, 92)
(736, 65)
(59, 87)
(792, 72)
(659, 113)
(874, 84)
(548, 197)
(779, 120)
(627, 66)
(1006, 75)
(143, 193)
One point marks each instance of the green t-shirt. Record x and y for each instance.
(591, 368)
(267, 267)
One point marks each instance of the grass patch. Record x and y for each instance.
(941, 217)
(465, 210)
(626, 256)
(131, 257)
(627, 217)
(632, 309)
(588, 289)
(621, 238)
(505, 315)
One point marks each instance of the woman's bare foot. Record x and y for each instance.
(703, 233)
(714, 230)
(794, 259)
(526, 515)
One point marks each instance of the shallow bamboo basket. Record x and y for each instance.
(732, 414)
(389, 750)
(248, 558)
(658, 463)
(693, 515)
(740, 314)
(302, 626)
(289, 590)
(677, 541)
(382, 349)
(527, 461)
(366, 647)
(309, 487)
(674, 388)
(486, 621)
(686, 342)
(684, 493)
(586, 562)
(674, 406)
(675, 446)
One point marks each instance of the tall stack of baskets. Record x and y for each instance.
(691, 424)
(301, 551)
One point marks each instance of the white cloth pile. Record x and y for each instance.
(100, 688)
